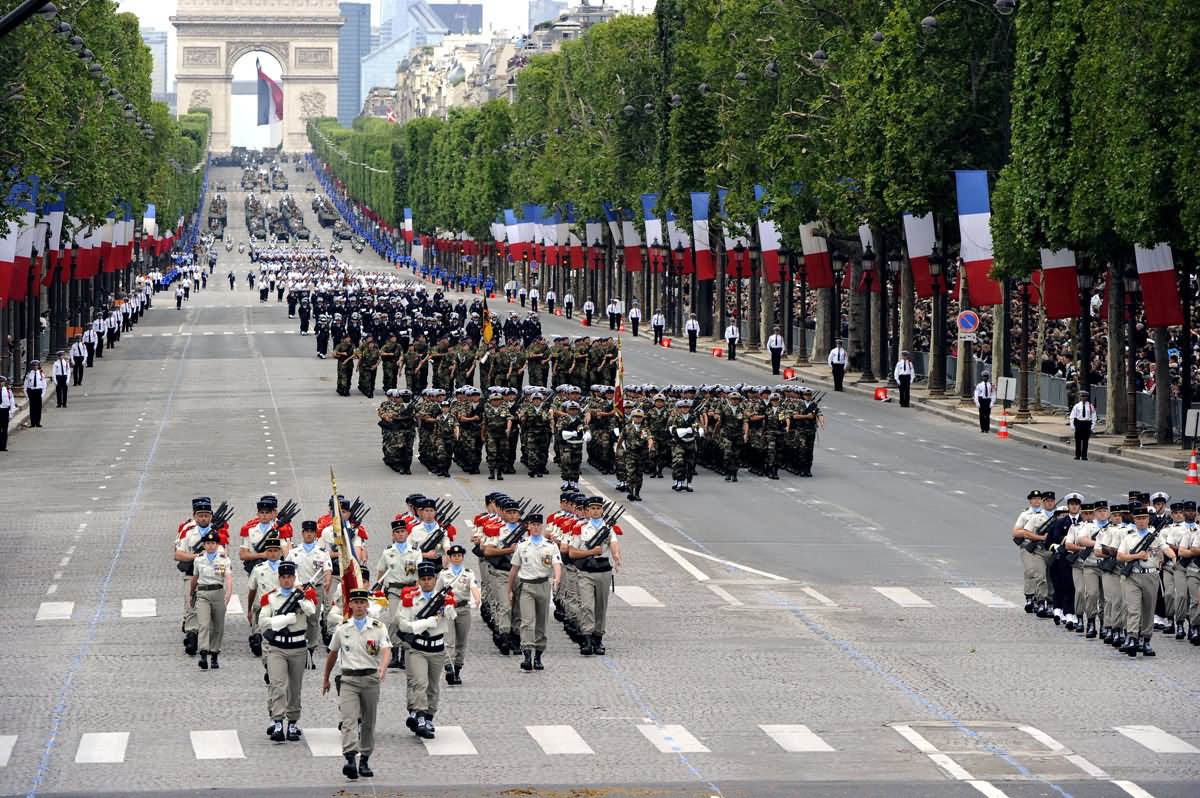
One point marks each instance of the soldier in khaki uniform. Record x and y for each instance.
(1174, 575)
(263, 579)
(1141, 586)
(595, 578)
(395, 570)
(426, 638)
(1034, 498)
(465, 584)
(361, 649)
(212, 572)
(499, 563)
(1189, 559)
(537, 563)
(187, 549)
(1108, 539)
(284, 622)
(313, 566)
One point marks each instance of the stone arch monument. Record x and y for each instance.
(301, 34)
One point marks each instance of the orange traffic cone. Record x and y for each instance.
(1192, 477)
(1003, 433)
(621, 326)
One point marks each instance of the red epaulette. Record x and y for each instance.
(617, 529)
(246, 527)
(285, 531)
(451, 531)
(408, 594)
(266, 598)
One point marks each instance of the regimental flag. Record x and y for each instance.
(974, 224)
(705, 268)
(1060, 288)
(1160, 294)
(270, 98)
(619, 388)
(818, 263)
(488, 332)
(768, 241)
(920, 237)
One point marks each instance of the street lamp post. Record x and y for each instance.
(889, 345)
(869, 276)
(1132, 289)
(675, 298)
(937, 326)
(738, 248)
(755, 314)
(787, 280)
(835, 318)
(1085, 281)
(1023, 388)
(802, 344)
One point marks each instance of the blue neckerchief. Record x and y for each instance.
(274, 564)
(596, 522)
(1142, 532)
(1102, 524)
(430, 525)
(536, 539)
(359, 623)
(264, 526)
(308, 547)
(1190, 524)
(211, 555)
(203, 530)
(401, 547)
(428, 595)
(285, 591)
(511, 525)
(456, 569)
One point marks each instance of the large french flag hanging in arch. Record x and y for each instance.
(270, 99)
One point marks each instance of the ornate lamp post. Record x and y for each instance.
(1085, 281)
(889, 345)
(1132, 290)
(839, 267)
(869, 276)
(937, 326)
(1023, 387)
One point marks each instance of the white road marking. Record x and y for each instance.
(728, 563)
(1132, 789)
(55, 611)
(7, 741)
(323, 742)
(50, 591)
(796, 738)
(209, 332)
(102, 748)
(952, 768)
(636, 596)
(916, 738)
(725, 595)
(139, 608)
(559, 740)
(986, 598)
(1157, 740)
(450, 741)
(902, 596)
(223, 744)
(234, 607)
(227, 332)
(987, 788)
(819, 596)
(672, 738)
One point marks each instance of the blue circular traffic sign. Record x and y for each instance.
(968, 321)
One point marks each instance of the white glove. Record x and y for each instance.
(681, 433)
(569, 434)
(700, 431)
(587, 437)
(279, 622)
(307, 606)
(423, 625)
(617, 433)
(334, 616)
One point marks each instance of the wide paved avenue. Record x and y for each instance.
(860, 633)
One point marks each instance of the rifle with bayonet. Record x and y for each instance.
(444, 518)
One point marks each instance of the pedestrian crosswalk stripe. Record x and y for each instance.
(55, 611)
(903, 596)
(636, 596)
(7, 742)
(227, 332)
(323, 742)
(795, 738)
(672, 739)
(985, 597)
(1157, 740)
(450, 741)
(234, 607)
(102, 748)
(139, 608)
(556, 740)
(222, 744)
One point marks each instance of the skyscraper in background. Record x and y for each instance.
(354, 42)
(542, 10)
(160, 89)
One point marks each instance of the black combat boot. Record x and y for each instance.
(395, 663)
(458, 674)
(537, 661)
(203, 663)
(1146, 650)
(293, 731)
(364, 769)
(212, 660)
(491, 473)
(734, 478)
(277, 733)
(585, 645)
(1029, 603)
(1091, 628)
(1169, 627)
(1180, 629)
(449, 668)
(598, 645)
(527, 662)
(1131, 647)
(350, 769)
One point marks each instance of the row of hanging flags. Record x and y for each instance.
(35, 239)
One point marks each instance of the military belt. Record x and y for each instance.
(209, 587)
(359, 672)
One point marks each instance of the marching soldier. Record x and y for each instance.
(212, 571)
(637, 446)
(188, 547)
(499, 562)
(595, 565)
(734, 429)
(1174, 574)
(264, 578)
(313, 566)
(368, 363)
(537, 563)
(397, 570)
(283, 620)
(1141, 586)
(805, 422)
(397, 422)
(683, 429)
(497, 425)
(360, 649)
(465, 585)
(426, 638)
(572, 432)
(1108, 540)
(344, 353)
(389, 356)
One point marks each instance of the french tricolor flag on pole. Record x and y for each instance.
(1160, 294)
(705, 269)
(818, 262)
(768, 240)
(270, 98)
(408, 225)
(919, 235)
(974, 224)
(1060, 289)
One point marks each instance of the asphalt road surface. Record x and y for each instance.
(855, 634)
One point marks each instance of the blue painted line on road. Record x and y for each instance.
(64, 694)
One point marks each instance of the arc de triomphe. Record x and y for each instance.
(302, 35)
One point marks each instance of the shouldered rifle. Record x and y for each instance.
(358, 511)
(1142, 545)
(292, 602)
(287, 512)
(435, 605)
(596, 563)
(434, 540)
(1033, 545)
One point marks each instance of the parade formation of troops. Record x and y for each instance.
(415, 615)
(1113, 571)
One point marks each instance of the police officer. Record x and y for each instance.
(537, 563)
(79, 354)
(8, 404)
(837, 363)
(360, 648)
(283, 621)
(904, 374)
(426, 638)
(1083, 420)
(212, 571)
(465, 584)
(35, 385)
(985, 394)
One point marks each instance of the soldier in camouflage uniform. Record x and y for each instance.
(443, 365)
(497, 423)
(344, 354)
(427, 411)
(396, 422)
(734, 430)
(537, 361)
(636, 445)
(389, 358)
(561, 357)
(684, 427)
(466, 410)
(535, 429)
(445, 432)
(514, 399)
(574, 435)
(486, 357)
(657, 415)
(368, 364)
(806, 420)
(416, 365)
(598, 415)
(513, 373)
(464, 364)
(776, 423)
(580, 373)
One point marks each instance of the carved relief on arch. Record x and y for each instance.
(235, 50)
(201, 98)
